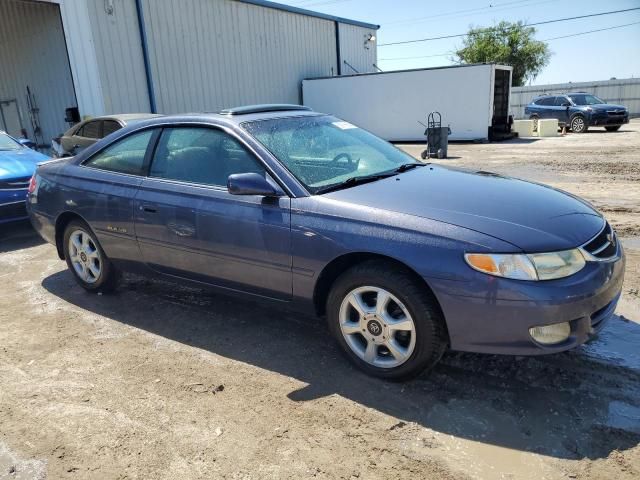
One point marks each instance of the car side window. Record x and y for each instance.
(91, 130)
(201, 155)
(547, 101)
(124, 156)
(110, 126)
(560, 101)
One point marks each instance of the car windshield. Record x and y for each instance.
(585, 99)
(8, 144)
(323, 152)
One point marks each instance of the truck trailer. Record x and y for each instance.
(472, 99)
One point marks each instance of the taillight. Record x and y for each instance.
(33, 183)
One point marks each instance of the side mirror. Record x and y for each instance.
(251, 184)
(566, 104)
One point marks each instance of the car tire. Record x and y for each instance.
(579, 124)
(612, 129)
(535, 119)
(395, 341)
(86, 259)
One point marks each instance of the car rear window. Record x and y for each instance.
(545, 101)
(91, 130)
(110, 126)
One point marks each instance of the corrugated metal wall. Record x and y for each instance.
(624, 91)
(352, 49)
(119, 55)
(33, 53)
(211, 54)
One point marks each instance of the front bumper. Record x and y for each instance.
(606, 120)
(493, 315)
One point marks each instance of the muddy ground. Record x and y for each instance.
(161, 381)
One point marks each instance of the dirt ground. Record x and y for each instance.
(162, 381)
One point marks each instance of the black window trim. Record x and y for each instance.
(153, 143)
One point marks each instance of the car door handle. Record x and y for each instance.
(148, 209)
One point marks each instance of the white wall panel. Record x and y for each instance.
(82, 57)
(118, 51)
(211, 54)
(33, 53)
(352, 49)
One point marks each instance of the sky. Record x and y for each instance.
(594, 56)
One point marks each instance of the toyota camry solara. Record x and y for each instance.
(278, 202)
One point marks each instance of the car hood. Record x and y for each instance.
(19, 163)
(607, 106)
(533, 217)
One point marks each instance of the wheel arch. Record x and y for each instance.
(61, 224)
(341, 264)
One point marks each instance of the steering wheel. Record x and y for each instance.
(337, 158)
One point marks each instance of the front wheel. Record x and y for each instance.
(86, 260)
(612, 129)
(386, 322)
(578, 124)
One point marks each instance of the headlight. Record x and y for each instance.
(535, 266)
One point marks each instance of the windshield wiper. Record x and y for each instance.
(408, 166)
(353, 181)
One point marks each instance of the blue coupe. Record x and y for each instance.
(17, 165)
(277, 202)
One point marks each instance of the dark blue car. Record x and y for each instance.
(17, 165)
(578, 111)
(404, 259)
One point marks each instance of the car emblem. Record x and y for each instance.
(374, 328)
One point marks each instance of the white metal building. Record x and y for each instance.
(165, 56)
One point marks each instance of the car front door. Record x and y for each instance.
(189, 225)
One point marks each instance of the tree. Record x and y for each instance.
(509, 44)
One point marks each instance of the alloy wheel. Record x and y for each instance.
(577, 125)
(84, 256)
(377, 327)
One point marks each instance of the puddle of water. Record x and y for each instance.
(624, 416)
(618, 343)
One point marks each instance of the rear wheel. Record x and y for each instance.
(87, 261)
(612, 129)
(386, 322)
(578, 124)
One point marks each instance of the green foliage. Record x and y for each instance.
(508, 44)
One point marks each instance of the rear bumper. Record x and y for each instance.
(44, 225)
(494, 315)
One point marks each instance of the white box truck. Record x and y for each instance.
(473, 100)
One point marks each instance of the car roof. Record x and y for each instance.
(245, 114)
(124, 117)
